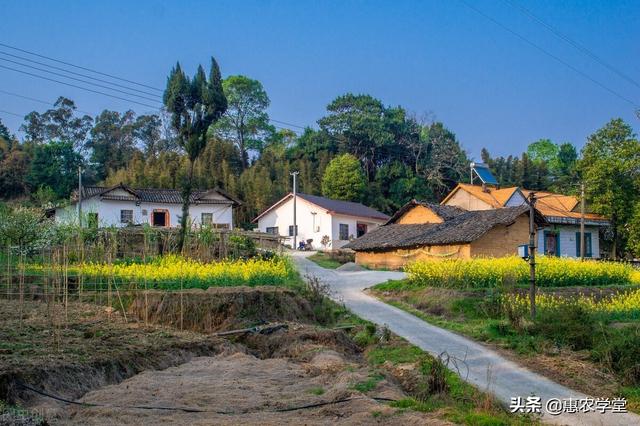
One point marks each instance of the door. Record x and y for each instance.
(361, 229)
(551, 244)
(160, 218)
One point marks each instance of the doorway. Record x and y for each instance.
(361, 229)
(160, 217)
(551, 244)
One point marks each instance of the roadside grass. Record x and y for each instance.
(433, 387)
(608, 339)
(324, 260)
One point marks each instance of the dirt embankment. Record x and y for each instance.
(222, 308)
(148, 374)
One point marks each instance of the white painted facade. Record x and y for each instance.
(314, 222)
(569, 242)
(109, 212)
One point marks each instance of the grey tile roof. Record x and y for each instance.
(460, 229)
(154, 195)
(332, 206)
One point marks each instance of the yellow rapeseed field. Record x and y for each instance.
(495, 272)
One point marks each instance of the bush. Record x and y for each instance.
(572, 326)
(619, 350)
(497, 272)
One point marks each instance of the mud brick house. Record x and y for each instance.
(427, 231)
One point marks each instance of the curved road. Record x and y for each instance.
(482, 367)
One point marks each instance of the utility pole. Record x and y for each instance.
(532, 254)
(582, 240)
(80, 196)
(295, 223)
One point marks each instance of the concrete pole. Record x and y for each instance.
(80, 196)
(532, 254)
(295, 223)
(582, 239)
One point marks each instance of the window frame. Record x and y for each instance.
(208, 222)
(291, 230)
(341, 227)
(272, 230)
(588, 244)
(122, 219)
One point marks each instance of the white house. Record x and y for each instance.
(562, 212)
(121, 206)
(317, 217)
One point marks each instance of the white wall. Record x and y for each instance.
(311, 226)
(109, 212)
(567, 239)
(352, 222)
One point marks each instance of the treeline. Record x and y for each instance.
(362, 150)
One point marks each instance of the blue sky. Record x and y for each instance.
(438, 57)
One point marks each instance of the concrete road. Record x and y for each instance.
(477, 364)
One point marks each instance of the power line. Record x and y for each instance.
(11, 113)
(546, 52)
(78, 79)
(79, 74)
(79, 67)
(286, 124)
(37, 100)
(572, 42)
(79, 87)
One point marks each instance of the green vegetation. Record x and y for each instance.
(324, 260)
(498, 272)
(586, 319)
(432, 386)
(344, 179)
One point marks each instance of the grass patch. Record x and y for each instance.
(324, 260)
(317, 391)
(370, 384)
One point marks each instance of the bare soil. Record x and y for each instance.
(90, 354)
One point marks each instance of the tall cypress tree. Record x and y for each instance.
(195, 104)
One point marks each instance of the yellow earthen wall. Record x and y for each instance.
(396, 259)
(466, 201)
(502, 240)
(419, 214)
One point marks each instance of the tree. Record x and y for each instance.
(246, 121)
(55, 164)
(112, 141)
(59, 123)
(344, 179)
(195, 104)
(610, 169)
(543, 150)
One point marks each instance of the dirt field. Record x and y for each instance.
(95, 357)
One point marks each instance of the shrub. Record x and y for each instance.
(572, 326)
(619, 350)
(499, 272)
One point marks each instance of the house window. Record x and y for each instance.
(551, 244)
(207, 218)
(272, 230)
(126, 216)
(291, 230)
(344, 231)
(587, 244)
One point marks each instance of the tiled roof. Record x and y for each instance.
(461, 229)
(155, 195)
(558, 208)
(348, 208)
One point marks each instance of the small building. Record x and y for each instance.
(561, 237)
(319, 217)
(121, 205)
(433, 232)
